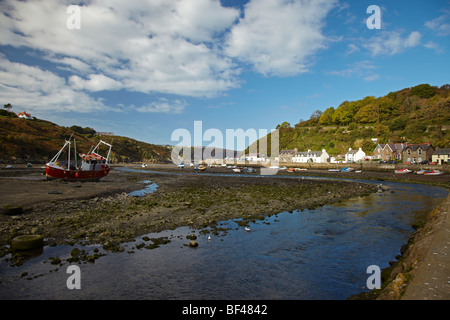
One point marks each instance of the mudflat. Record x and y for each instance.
(103, 212)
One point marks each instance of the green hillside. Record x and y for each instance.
(415, 115)
(39, 140)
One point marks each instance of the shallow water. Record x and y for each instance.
(312, 254)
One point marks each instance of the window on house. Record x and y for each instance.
(408, 152)
(419, 151)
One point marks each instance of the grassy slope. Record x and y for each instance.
(415, 115)
(39, 140)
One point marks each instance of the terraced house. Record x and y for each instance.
(441, 156)
(417, 153)
(388, 151)
(311, 156)
(286, 155)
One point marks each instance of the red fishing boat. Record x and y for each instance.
(93, 166)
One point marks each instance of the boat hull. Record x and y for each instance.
(75, 175)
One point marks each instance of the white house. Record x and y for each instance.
(256, 157)
(311, 156)
(24, 115)
(354, 155)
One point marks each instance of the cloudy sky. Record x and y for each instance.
(143, 69)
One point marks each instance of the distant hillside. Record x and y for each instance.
(39, 140)
(415, 115)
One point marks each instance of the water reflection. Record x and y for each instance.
(310, 254)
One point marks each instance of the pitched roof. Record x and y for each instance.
(414, 147)
(288, 151)
(442, 151)
(396, 147)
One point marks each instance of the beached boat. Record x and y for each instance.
(334, 170)
(250, 170)
(93, 166)
(200, 168)
(419, 172)
(433, 172)
(290, 169)
(402, 171)
(346, 169)
(237, 170)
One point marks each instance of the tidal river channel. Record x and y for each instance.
(311, 254)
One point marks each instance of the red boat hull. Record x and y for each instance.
(75, 175)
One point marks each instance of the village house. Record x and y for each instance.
(256, 157)
(286, 155)
(311, 156)
(441, 156)
(417, 153)
(354, 155)
(387, 151)
(24, 115)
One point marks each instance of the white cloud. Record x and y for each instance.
(96, 82)
(145, 46)
(364, 69)
(278, 37)
(441, 24)
(392, 42)
(434, 46)
(42, 91)
(163, 105)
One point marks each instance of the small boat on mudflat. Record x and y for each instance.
(433, 173)
(402, 171)
(93, 166)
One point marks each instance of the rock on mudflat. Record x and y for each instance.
(27, 242)
(193, 244)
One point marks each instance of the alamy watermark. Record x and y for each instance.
(73, 21)
(374, 21)
(374, 280)
(74, 281)
(221, 146)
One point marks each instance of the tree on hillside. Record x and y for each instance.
(315, 116)
(283, 125)
(8, 106)
(327, 116)
(424, 91)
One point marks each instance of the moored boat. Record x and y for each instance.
(93, 166)
(433, 172)
(402, 171)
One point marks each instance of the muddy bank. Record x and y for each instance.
(420, 273)
(438, 180)
(103, 213)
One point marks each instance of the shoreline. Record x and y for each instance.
(102, 213)
(420, 272)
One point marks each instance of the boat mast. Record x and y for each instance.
(75, 156)
(68, 155)
(68, 158)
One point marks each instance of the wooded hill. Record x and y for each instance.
(415, 115)
(36, 140)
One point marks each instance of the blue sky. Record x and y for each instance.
(143, 69)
